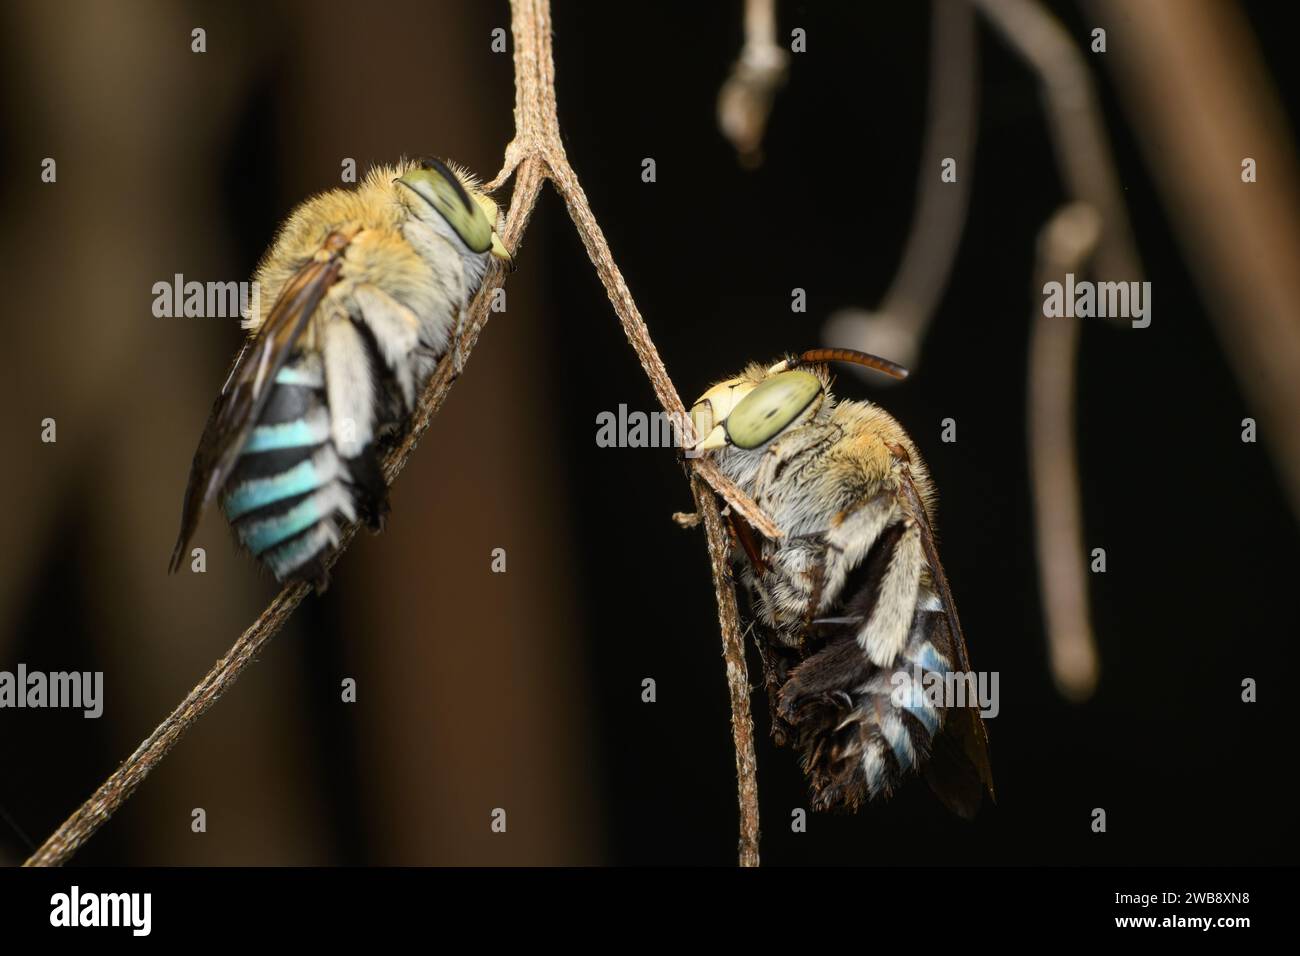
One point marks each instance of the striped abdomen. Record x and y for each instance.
(290, 493)
(861, 729)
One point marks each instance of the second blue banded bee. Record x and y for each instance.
(852, 607)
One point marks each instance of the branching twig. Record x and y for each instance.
(535, 155)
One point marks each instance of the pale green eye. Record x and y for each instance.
(438, 186)
(770, 408)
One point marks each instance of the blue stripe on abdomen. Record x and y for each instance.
(929, 659)
(260, 492)
(259, 536)
(293, 554)
(899, 740)
(916, 703)
(306, 374)
(303, 433)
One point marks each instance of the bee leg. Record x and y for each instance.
(817, 578)
(782, 731)
(394, 334)
(795, 578)
(370, 489)
(313, 572)
(776, 669)
(321, 583)
(686, 519)
(875, 565)
(428, 359)
(743, 535)
(817, 705)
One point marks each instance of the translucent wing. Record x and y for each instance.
(244, 395)
(950, 780)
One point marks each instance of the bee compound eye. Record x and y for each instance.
(771, 408)
(438, 186)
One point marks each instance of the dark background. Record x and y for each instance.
(1201, 547)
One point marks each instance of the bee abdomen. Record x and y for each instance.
(290, 489)
(862, 729)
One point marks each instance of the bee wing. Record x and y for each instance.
(954, 783)
(244, 395)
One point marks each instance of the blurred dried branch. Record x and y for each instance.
(745, 100)
(1065, 244)
(1083, 154)
(533, 156)
(1074, 116)
(1241, 239)
(898, 326)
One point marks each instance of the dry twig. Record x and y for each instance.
(533, 156)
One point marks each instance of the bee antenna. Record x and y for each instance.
(853, 357)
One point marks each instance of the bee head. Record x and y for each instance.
(750, 410)
(455, 196)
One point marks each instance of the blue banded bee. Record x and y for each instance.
(852, 606)
(368, 288)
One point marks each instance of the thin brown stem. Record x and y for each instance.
(733, 653)
(546, 138)
(115, 791)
